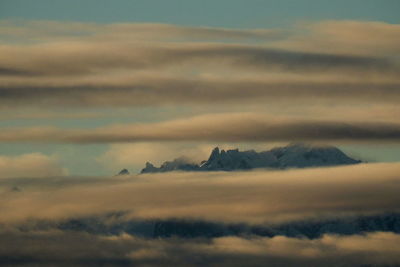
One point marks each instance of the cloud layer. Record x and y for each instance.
(338, 79)
(231, 127)
(81, 249)
(154, 64)
(251, 197)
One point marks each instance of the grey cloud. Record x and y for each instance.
(228, 127)
(258, 57)
(112, 51)
(14, 72)
(156, 91)
(250, 197)
(55, 30)
(66, 249)
(85, 58)
(180, 33)
(99, 67)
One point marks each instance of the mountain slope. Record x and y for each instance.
(291, 156)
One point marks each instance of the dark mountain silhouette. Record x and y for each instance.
(291, 156)
(123, 172)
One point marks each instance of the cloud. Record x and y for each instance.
(82, 64)
(154, 90)
(82, 249)
(347, 36)
(372, 243)
(41, 30)
(228, 127)
(93, 58)
(32, 165)
(137, 154)
(333, 64)
(12, 72)
(235, 197)
(326, 36)
(342, 250)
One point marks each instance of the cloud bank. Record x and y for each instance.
(76, 64)
(251, 197)
(82, 249)
(231, 127)
(349, 66)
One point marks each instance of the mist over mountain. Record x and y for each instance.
(114, 223)
(292, 156)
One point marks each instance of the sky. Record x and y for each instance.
(91, 87)
(219, 13)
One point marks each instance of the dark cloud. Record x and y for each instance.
(157, 91)
(155, 64)
(14, 72)
(235, 127)
(84, 58)
(39, 224)
(258, 57)
(78, 249)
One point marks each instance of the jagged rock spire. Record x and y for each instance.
(214, 154)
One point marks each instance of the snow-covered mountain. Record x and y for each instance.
(291, 156)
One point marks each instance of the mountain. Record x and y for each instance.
(181, 164)
(123, 172)
(291, 156)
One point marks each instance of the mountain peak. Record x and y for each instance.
(294, 155)
(124, 172)
(214, 153)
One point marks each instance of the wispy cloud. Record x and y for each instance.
(55, 59)
(347, 36)
(173, 64)
(137, 154)
(229, 127)
(30, 165)
(42, 30)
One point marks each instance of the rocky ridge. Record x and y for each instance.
(291, 156)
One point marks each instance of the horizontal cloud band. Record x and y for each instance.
(51, 248)
(153, 64)
(235, 197)
(214, 127)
